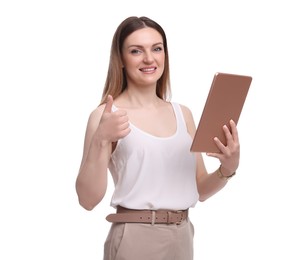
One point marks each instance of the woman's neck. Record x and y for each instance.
(138, 98)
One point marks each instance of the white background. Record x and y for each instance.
(53, 63)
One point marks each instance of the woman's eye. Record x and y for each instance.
(135, 51)
(158, 49)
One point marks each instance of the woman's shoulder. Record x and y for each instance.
(185, 110)
(188, 117)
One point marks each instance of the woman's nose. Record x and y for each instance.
(148, 57)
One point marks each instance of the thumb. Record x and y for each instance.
(109, 104)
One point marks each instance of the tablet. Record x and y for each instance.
(225, 101)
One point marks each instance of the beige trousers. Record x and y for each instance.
(134, 241)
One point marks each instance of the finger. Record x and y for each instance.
(121, 113)
(227, 133)
(124, 125)
(220, 145)
(215, 155)
(124, 132)
(109, 104)
(234, 131)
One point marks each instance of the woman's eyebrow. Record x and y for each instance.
(141, 46)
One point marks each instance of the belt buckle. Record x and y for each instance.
(181, 217)
(169, 213)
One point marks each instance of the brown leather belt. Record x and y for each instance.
(125, 215)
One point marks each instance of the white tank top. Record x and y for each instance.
(152, 172)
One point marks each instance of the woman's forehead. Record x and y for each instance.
(143, 37)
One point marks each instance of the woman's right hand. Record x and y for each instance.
(113, 125)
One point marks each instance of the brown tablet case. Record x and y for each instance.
(225, 101)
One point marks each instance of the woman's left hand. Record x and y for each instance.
(229, 155)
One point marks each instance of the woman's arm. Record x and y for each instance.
(91, 182)
(104, 128)
(210, 183)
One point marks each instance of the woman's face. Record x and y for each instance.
(143, 57)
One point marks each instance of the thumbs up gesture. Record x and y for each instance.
(113, 125)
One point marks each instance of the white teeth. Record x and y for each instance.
(147, 70)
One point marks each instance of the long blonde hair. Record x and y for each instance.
(116, 81)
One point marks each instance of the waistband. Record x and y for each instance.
(124, 215)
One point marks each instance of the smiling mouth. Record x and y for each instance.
(148, 69)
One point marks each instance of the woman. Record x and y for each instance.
(144, 140)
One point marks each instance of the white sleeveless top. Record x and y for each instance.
(152, 172)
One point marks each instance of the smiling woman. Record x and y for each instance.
(133, 133)
(116, 80)
(143, 58)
